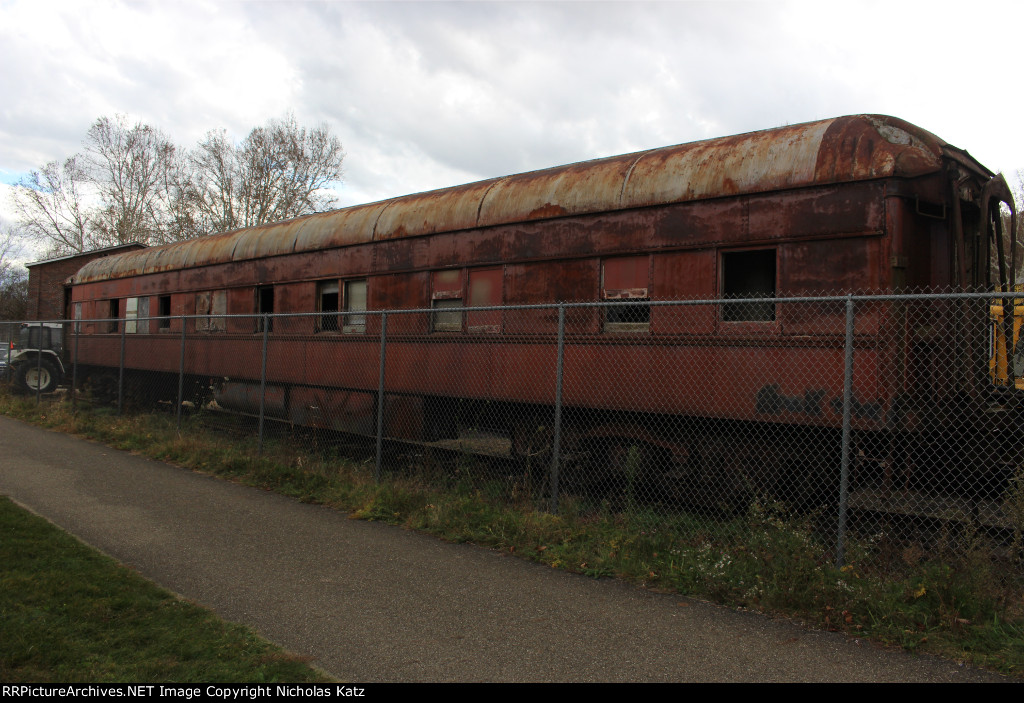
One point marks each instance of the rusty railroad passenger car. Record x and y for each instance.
(859, 203)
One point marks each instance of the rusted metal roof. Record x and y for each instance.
(837, 150)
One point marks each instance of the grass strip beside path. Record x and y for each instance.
(70, 614)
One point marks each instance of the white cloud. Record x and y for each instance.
(425, 95)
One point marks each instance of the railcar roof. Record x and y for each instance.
(843, 149)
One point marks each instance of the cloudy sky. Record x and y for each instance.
(425, 95)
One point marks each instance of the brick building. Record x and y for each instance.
(47, 294)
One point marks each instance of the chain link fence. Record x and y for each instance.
(879, 420)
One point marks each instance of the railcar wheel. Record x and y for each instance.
(41, 377)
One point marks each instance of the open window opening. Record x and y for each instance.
(749, 274)
(113, 312)
(164, 311)
(265, 306)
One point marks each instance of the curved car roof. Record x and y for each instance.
(843, 149)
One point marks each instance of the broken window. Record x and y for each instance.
(749, 274)
(136, 314)
(446, 300)
(328, 305)
(626, 279)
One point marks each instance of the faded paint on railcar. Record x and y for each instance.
(827, 203)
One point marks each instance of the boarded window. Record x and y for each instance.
(141, 325)
(627, 280)
(485, 288)
(210, 304)
(203, 308)
(446, 300)
(219, 307)
(131, 313)
(355, 302)
(751, 275)
(136, 312)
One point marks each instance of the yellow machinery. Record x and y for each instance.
(998, 363)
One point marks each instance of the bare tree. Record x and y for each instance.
(133, 185)
(13, 293)
(131, 170)
(285, 168)
(13, 276)
(213, 188)
(279, 171)
(50, 205)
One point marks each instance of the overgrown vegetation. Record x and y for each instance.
(70, 614)
(959, 598)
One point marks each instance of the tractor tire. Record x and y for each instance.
(42, 376)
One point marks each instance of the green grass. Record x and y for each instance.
(962, 602)
(71, 614)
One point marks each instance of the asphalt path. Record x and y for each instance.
(371, 602)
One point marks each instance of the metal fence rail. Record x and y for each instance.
(874, 415)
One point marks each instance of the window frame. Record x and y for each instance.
(343, 318)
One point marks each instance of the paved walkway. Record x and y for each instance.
(370, 602)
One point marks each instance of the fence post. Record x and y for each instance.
(181, 375)
(557, 439)
(263, 381)
(380, 398)
(120, 372)
(77, 327)
(844, 476)
(10, 341)
(39, 364)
